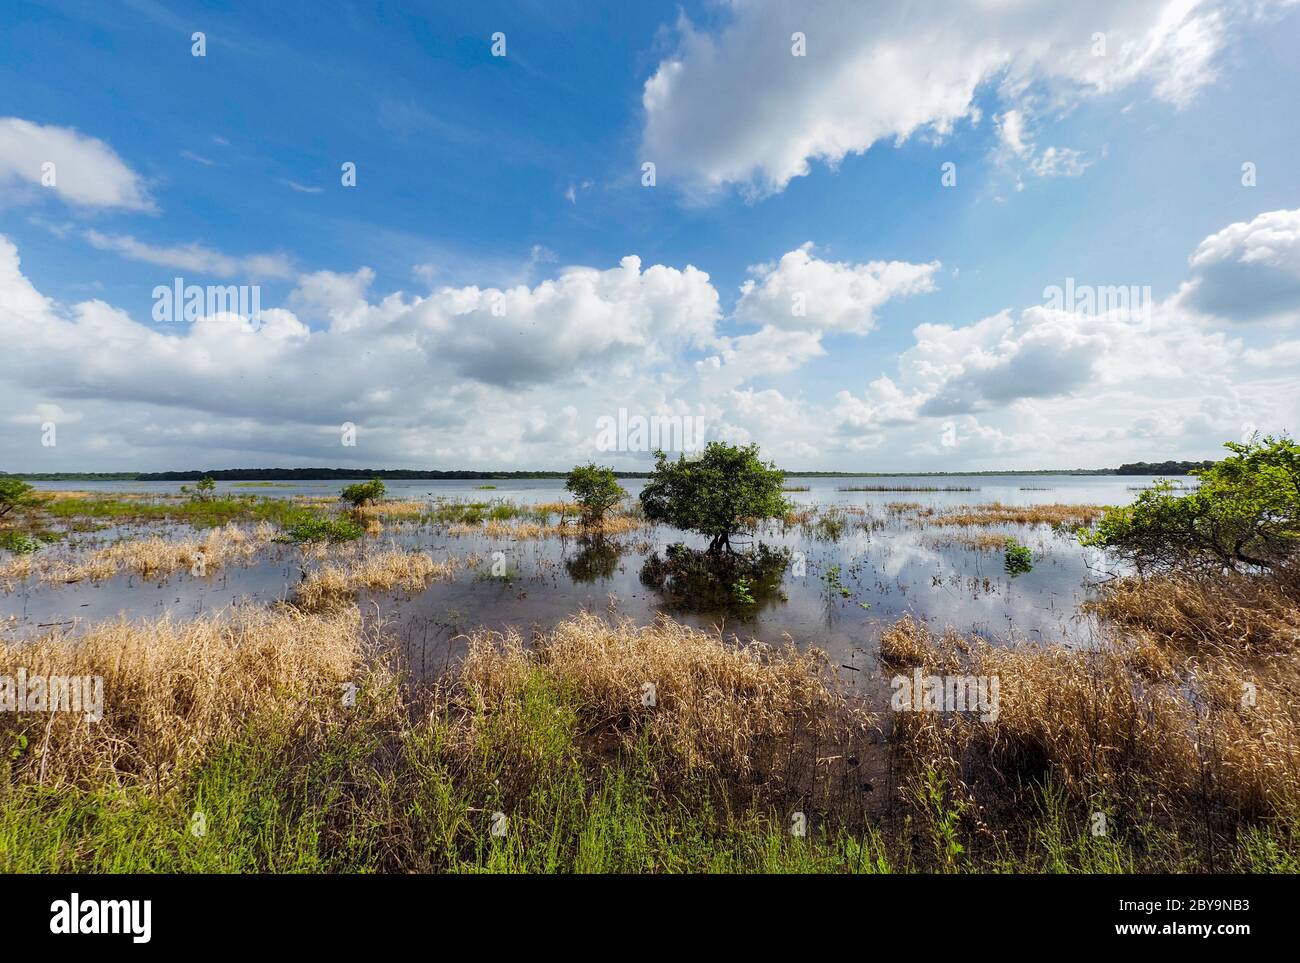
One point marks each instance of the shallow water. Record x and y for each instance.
(891, 570)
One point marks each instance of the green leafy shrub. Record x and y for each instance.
(321, 528)
(719, 493)
(1244, 513)
(363, 493)
(18, 542)
(14, 494)
(204, 490)
(1019, 559)
(596, 489)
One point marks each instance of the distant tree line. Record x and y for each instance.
(325, 474)
(76, 475)
(322, 474)
(1162, 467)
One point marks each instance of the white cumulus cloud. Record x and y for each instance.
(735, 107)
(86, 172)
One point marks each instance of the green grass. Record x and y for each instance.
(200, 514)
(309, 527)
(444, 512)
(20, 543)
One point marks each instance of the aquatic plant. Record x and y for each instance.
(834, 587)
(996, 513)
(908, 488)
(321, 528)
(19, 543)
(332, 585)
(1018, 559)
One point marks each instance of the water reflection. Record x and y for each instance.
(596, 559)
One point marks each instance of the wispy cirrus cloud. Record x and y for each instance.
(302, 188)
(193, 257)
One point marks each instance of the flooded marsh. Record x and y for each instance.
(436, 560)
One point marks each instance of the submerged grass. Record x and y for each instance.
(907, 488)
(332, 584)
(974, 541)
(199, 513)
(152, 557)
(567, 527)
(996, 513)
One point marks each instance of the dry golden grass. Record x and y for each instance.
(610, 525)
(173, 689)
(406, 508)
(739, 714)
(152, 557)
(799, 516)
(497, 529)
(60, 496)
(909, 643)
(15, 569)
(1176, 709)
(559, 508)
(65, 496)
(522, 531)
(995, 513)
(335, 584)
(749, 720)
(899, 508)
(975, 541)
(1232, 614)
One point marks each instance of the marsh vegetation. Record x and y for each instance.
(598, 693)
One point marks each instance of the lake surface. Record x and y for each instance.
(898, 565)
(1008, 489)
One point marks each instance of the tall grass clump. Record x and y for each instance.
(239, 724)
(310, 527)
(331, 584)
(152, 557)
(172, 689)
(1183, 722)
(996, 513)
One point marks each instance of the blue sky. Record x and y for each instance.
(523, 172)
